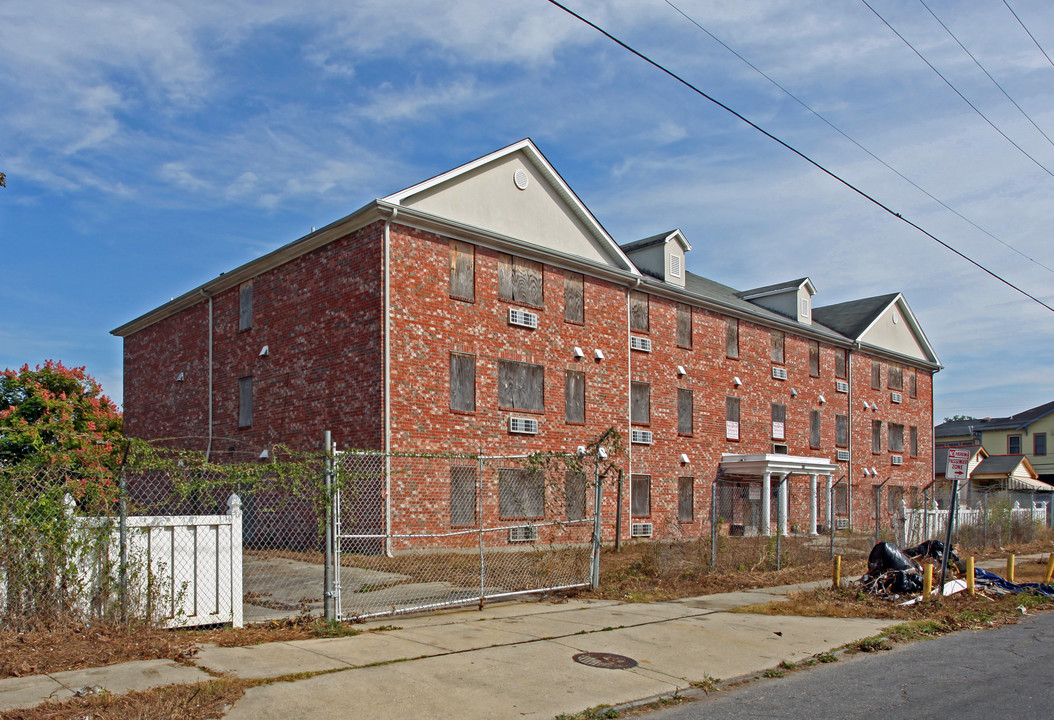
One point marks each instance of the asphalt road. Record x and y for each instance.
(1000, 673)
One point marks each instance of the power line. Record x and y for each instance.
(855, 142)
(978, 63)
(1019, 22)
(956, 90)
(794, 150)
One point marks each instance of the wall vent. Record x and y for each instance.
(640, 529)
(896, 397)
(843, 456)
(675, 266)
(524, 533)
(780, 373)
(523, 318)
(897, 459)
(640, 343)
(524, 426)
(841, 386)
(640, 437)
(841, 524)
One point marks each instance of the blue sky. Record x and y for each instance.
(150, 146)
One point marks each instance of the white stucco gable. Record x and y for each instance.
(515, 192)
(896, 329)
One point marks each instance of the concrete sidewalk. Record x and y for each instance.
(511, 660)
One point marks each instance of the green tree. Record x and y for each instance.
(957, 418)
(57, 418)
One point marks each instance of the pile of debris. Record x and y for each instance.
(893, 573)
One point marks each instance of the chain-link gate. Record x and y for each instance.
(416, 532)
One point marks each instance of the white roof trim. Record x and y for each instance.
(680, 238)
(534, 155)
(755, 465)
(783, 290)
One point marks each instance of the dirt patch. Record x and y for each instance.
(174, 702)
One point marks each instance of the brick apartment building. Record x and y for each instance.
(487, 308)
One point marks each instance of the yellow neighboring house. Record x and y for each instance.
(1026, 433)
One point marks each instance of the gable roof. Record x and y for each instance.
(1021, 419)
(660, 239)
(940, 457)
(549, 214)
(862, 321)
(958, 428)
(1003, 465)
(852, 318)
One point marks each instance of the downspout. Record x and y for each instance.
(388, 386)
(208, 449)
(849, 484)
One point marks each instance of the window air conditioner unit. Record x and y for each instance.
(640, 343)
(841, 386)
(640, 437)
(841, 523)
(523, 318)
(640, 529)
(843, 456)
(778, 449)
(780, 373)
(898, 459)
(524, 426)
(524, 533)
(896, 397)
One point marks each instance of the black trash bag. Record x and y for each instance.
(891, 571)
(934, 549)
(887, 556)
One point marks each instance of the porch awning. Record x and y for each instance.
(759, 465)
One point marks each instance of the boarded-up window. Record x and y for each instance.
(913, 438)
(814, 358)
(575, 495)
(686, 499)
(684, 325)
(839, 363)
(841, 431)
(574, 298)
(779, 422)
(575, 396)
(462, 270)
(640, 403)
(521, 493)
(876, 374)
(814, 429)
(463, 495)
(894, 497)
(640, 495)
(876, 436)
(521, 386)
(638, 311)
(245, 306)
(685, 423)
(777, 346)
(896, 437)
(913, 383)
(462, 382)
(245, 402)
(732, 418)
(520, 280)
(841, 499)
(896, 377)
(731, 338)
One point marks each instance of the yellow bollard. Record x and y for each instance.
(927, 581)
(1050, 570)
(1010, 562)
(969, 576)
(836, 569)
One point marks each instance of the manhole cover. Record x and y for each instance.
(608, 661)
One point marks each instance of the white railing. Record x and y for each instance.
(919, 524)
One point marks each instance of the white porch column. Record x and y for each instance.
(812, 504)
(782, 497)
(830, 502)
(766, 509)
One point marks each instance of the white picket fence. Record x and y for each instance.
(193, 566)
(922, 524)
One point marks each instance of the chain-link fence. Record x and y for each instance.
(984, 519)
(464, 529)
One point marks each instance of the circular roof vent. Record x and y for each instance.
(521, 178)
